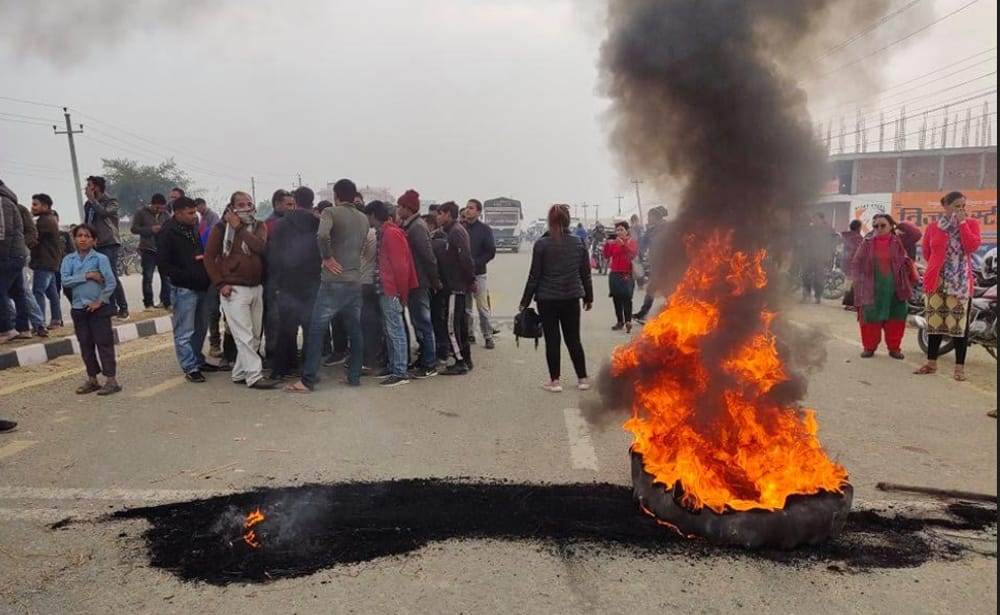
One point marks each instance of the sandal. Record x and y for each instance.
(87, 387)
(960, 375)
(926, 368)
(297, 387)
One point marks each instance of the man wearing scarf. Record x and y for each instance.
(234, 259)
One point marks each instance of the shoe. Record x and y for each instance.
(489, 345)
(123, 315)
(335, 359)
(421, 373)
(351, 383)
(385, 372)
(109, 389)
(495, 331)
(208, 368)
(240, 381)
(472, 339)
(639, 319)
(41, 332)
(618, 327)
(87, 387)
(867, 354)
(552, 387)
(895, 354)
(628, 327)
(23, 335)
(583, 385)
(394, 381)
(264, 384)
(7, 336)
(6, 426)
(55, 324)
(195, 376)
(456, 370)
(215, 351)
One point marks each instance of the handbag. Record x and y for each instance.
(527, 324)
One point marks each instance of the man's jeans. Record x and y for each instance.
(149, 266)
(43, 286)
(12, 290)
(419, 303)
(395, 334)
(36, 315)
(118, 300)
(482, 297)
(335, 298)
(190, 323)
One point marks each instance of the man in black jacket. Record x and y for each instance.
(419, 301)
(182, 259)
(460, 278)
(483, 251)
(146, 223)
(46, 257)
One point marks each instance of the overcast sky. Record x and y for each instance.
(458, 99)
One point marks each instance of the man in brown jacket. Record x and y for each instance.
(46, 258)
(234, 259)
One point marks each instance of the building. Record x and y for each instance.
(909, 184)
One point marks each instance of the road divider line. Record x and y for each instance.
(156, 389)
(14, 447)
(581, 448)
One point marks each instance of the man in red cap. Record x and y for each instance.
(428, 278)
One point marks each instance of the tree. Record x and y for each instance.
(133, 183)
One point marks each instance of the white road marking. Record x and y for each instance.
(15, 446)
(581, 449)
(159, 388)
(110, 493)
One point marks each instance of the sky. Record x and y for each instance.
(457, 99)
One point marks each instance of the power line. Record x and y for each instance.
(30, 102)
(26, 117)
(32, 122)
(895, 42)
(882, 20)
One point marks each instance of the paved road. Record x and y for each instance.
(163, 440)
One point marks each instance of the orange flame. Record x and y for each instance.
(753, 452)
(250, 536)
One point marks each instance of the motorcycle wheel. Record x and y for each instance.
(834, 288)
(947, 344)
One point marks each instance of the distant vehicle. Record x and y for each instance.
(505, 217)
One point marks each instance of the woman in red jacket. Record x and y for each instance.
(619, 252)
(948, 243)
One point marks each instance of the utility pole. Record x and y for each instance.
(576, 210)
(69, 132)
(300, 179)
(638, 201)
(253, 190)
(619, 197)
(585, 206)
(597, 213)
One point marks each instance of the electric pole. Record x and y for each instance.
(300, 179)
(638, 201)
(253, 190)
(69, 132)
(619, 197)
(597, 213)
(585, 206)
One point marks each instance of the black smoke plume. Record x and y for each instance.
(706, 103)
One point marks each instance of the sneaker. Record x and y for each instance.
(208, 368)
(583, 385)
(6, 426)
(7, 336)
(123, 315)
(420, 373)
(617, 327)
(867, 354)
(394, 381)
(350, 383)
(628, 327)
(196, 376)
(552, 387)
(264, 384)
(457, 369)
(41, 332)
(109, 389)
(489, 345)
(335, 359)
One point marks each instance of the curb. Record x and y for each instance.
(36, 354)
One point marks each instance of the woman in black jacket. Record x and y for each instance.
(559, 279)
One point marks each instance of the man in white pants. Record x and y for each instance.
(234, 259)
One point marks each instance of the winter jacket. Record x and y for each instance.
(11, 225)
(397, 275)
(142, 225)
(424, 260)
(560, 270)
(439, 243)
(180, 257)
(457, 266)
(102, 214)
(481, 245)
(47, 254)
(342, 233)
(863, 271)
(620, 256)
(244, 265)
(935, 247)
(30, 231)
(293, 261)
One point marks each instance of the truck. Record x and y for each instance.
(504, 215)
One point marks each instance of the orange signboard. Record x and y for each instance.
(922, 208)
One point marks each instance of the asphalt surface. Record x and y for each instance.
(164, 440)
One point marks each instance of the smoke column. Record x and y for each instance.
(706, 103)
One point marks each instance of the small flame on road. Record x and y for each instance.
(250, 536)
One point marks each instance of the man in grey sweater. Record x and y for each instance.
(341, 238)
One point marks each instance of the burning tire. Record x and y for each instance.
(805, 519)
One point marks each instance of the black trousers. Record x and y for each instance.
(149, 267)
(295, 306)
(372, 328)
(458, 328)
(272, 319)
(563, 313)
(813, 279)
(623, 309)
(97, 340)
(439, 318)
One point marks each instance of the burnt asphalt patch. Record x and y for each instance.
(314, 527)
